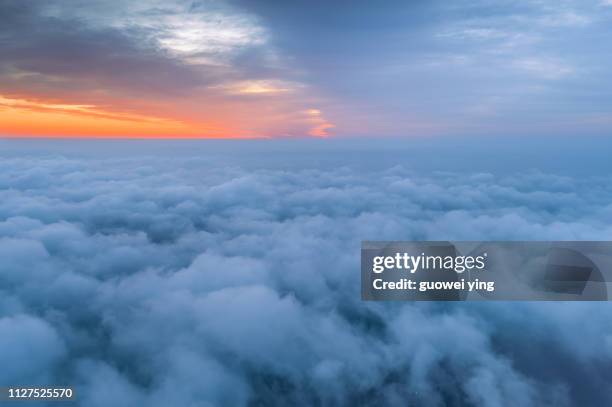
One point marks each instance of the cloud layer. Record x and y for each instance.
(171, 280)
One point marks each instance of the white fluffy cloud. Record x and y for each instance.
(179, 281)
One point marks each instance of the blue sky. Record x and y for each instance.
(497, 67)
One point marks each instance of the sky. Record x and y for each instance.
(252, 68)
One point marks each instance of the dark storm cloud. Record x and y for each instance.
(170, 279)
(65, 54)
(84, 51)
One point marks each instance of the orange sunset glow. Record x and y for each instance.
(28, 118)
(33, 118)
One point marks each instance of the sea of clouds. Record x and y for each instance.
(194, 280)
